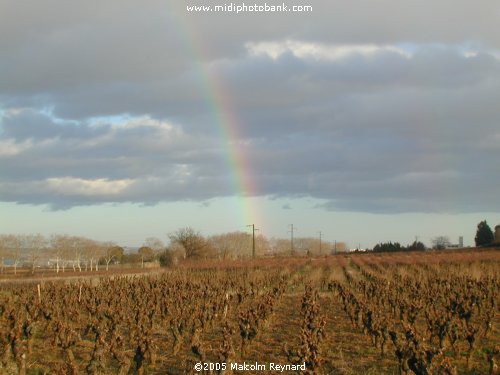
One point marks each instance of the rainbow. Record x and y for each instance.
(218, 97)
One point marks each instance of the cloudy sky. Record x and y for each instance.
(366, 120)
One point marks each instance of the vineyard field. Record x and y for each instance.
(398, 313)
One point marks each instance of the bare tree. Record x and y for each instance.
(172, 255)
(146, 253)
(94, 251)
(262, 245)
(195, 245)
(18, 247)
(314, 246)
(440, 242)
(60, 246)
(232, 245)
(12, 249)
(307, 245)
(154, 243)
(78, 247)
(279, 246)
(4, 251)
(33, 244)
(238, 245)
(112, 252)
(151, 247)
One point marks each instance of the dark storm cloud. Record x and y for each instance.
(132, 55)
(387, 108)
(141, 160)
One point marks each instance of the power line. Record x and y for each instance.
(291, 238)
(253, 238)
(320, 234)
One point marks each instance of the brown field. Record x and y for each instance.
(433, 312)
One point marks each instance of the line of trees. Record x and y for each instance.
(438, 243)
(484, 237)
(80, 253)
(396, 246)
(56, 251)
(61, 252)
(187, 243)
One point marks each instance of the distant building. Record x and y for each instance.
(497, 234)
(458, 245)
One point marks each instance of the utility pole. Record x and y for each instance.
(320, 233)
(291, 239)
(253, 238)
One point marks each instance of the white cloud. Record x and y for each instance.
(319, 51)
(139, 126)
(9, 147)
(87, 187)
(129, 122)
